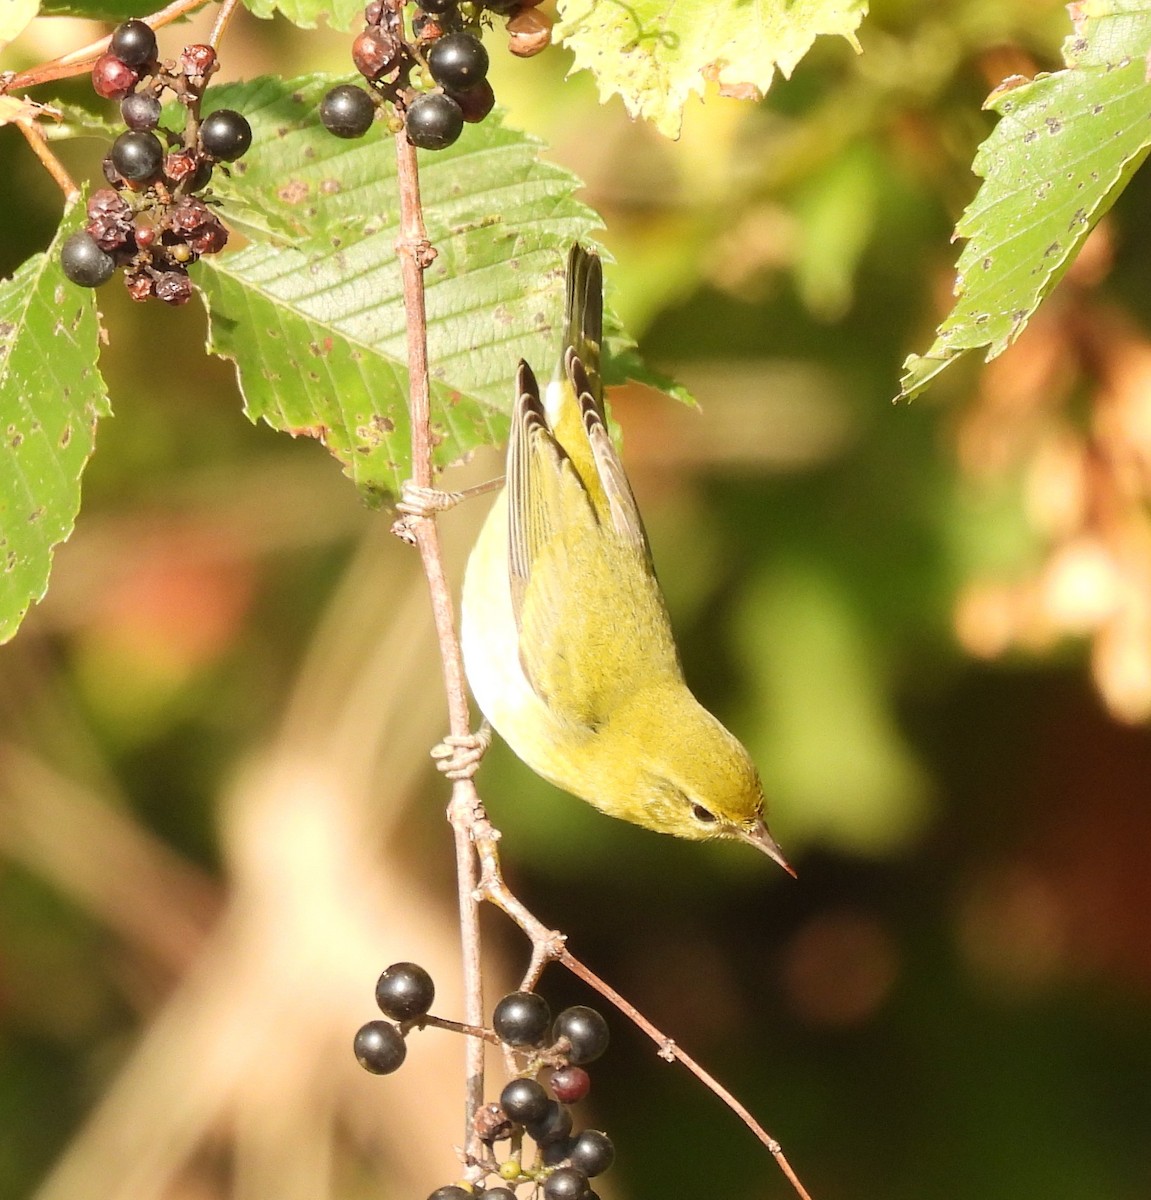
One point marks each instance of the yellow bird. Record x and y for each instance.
(567, 644)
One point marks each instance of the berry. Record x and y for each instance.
(565, 1184)
(84, 262)
(553, 1126)
(434, 121)
(476, 102)
(112, 78)
(375, 52)
(374, 13)
(198, 61)
(380, 1048)
(109, 219)
(570, 1084)
(437, 8)
(524, 1100)
(347, 111)
(458, 61)
(522, 1019)
(555, 1154)
(133, 43)
(140, 111)
(497, 1193)
(529, 33)
(592, 1152)
(451, 1192)
(137, 155)
(405, 990)
(225, 134)
(585, 1029)
(175, 288)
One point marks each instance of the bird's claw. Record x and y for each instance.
(458, 756)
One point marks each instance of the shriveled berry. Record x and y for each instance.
(137, 155)
(570, 1084)
(141, 110)
(347, 111)
(180, 164)
(175, 288)
(433, 121)
(491, 1124)
(84, 263)
(585, 1029)
(110, 173)
(109, 219)
(566, 1183)
(592, 1152)
(476, 102)
(375, 52)
(374, 13)
(524, 1100)
(198, 61)
(140, 284)
(428, 28)
(225, 134)
(133, 42)
(553, 1126)
(522, 1019)
(458, 61)
(380, 1048)
(529, 33)
(112, 78)
(405, 990)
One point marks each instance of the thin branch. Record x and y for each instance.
(227, 11)
(31, 130)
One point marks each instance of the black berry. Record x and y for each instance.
(553, 1126)
(347, 111)
(225, 134)
(437, 8)
(592, 1152)
(84, 262)
(133, 43)
(524, 1100)
(585, 1029)
(565, 1184)
(112, 78)
(380, 1048)
(451, 1192)
(522, 1019)
(434, 121)
(476, 102)
(497, 1193)
(405, 990)
(570, 1084)
(458, 61)
(140, 111)
(137, 155)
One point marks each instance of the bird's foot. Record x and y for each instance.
(458, 756)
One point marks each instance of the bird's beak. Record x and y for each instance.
(759, 837)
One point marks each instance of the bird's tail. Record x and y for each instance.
(584, 332)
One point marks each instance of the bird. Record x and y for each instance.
(566, 639)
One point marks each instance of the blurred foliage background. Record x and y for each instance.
(217, 817)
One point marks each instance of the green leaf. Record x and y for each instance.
(312, 312)
(655, 54)
(1064, 149)
(15, 16)
(51, 396)
(339, 14)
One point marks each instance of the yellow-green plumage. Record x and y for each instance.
(567, 643)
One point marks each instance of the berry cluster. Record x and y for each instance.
(563, 1162)
(149, 219)
(435, 78)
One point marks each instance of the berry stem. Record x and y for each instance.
(28, 124)
(223, 17)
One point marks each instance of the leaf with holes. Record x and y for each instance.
(312, 310)
(655, 54)
(51, 396)
(1064, 149)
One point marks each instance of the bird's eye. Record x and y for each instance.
(702, 815)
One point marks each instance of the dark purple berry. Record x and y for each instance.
(225, 135)
(133, 43)
(84, 262)
(405, 990)
(524, 1100)
(476, 102)
(175, 288)
(380, 1048)
(497, 1193)
(553, 1126)
(585, 1029)
(592, 1152)
(109, 219)
(198, 61)
(451, 1192)
(137, 155)
(112, 78)
(375, 52)
(434, 121)
(566, 1183)
(522, 1019)
(555, 1154)
(140, 111)
(458, 61)
(347, 111)
(570, 1084)
(374, 13)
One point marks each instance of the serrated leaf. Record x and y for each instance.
(339, 14)
(655, 54)
(51, 396)
(312, 309)
(1064, 149)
